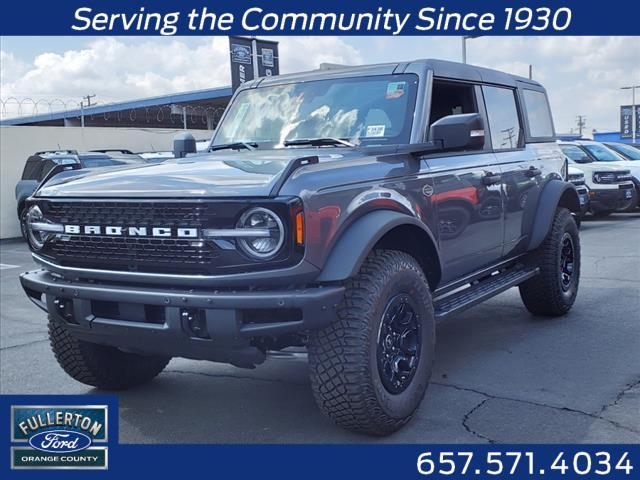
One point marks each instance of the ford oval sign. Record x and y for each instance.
(60, 441)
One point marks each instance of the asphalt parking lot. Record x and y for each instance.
(500, 375)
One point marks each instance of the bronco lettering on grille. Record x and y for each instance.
(114, 230)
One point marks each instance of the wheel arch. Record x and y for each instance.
(556, 193)
(382, 229)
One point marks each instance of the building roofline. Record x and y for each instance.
(184, 97)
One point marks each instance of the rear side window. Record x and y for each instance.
(32, 169)
(538, 114)
(502, 113)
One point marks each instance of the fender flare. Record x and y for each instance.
(355, 243)
(554, 193)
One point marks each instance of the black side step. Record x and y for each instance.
(481, 291)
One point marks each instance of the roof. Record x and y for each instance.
(174, 98)
(440, 68)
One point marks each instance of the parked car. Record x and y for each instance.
(40, 164)
(604, 153)
(625, 150)
(631, 154)
(576, 176)
(611, 188)
(314, 221)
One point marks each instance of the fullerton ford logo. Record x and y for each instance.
(118, 231)
(60, 441)
(59, 436)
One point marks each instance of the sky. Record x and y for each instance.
(583, 75)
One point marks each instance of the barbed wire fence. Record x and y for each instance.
(196, 115)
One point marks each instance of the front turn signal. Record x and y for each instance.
(299, 228)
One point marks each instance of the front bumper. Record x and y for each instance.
(583, 195)
(613, 199)
(152, 319)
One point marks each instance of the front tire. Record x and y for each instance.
(370, 368)
(102, 366)
(553, 292)
(22, 217)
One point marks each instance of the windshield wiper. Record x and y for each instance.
(234, 146)
(318, 142)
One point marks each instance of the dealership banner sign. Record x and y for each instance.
(315, 17)
(251, 58)
(626, 121)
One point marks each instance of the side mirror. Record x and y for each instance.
(458, 132)
(183, 144)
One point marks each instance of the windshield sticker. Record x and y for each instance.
(395, 90)
(375, 131)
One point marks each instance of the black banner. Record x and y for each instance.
(268, 59)
(626, 121)
(241, 55)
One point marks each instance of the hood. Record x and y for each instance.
(574, 171)
(593, 167)
(220, 174)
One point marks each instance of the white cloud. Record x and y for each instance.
(117, 69)
(582, 74)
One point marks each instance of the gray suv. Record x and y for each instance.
(342, 211)
(44, 164)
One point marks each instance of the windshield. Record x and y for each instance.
(370, 110)
(602, 153)
(628, 151)
(575, 154)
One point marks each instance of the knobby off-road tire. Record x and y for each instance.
(553, 292)
(100, 365)
(349, 360)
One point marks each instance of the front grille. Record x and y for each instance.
(138, 253)
(612, 177)
(146, 253)
(129, 213)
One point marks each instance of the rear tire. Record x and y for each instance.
(102, 366)
(370, 368)
(553, 292)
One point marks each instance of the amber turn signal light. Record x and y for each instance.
(299, 228)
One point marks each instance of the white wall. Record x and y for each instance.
(18, 143)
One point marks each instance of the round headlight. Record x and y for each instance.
(36, 237)
(261, 247)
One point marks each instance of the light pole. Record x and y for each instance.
(634, 115)
(464, 45)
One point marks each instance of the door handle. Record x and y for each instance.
(491, 178)
(533, 172)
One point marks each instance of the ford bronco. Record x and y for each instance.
(345, 211)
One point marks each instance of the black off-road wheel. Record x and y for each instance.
(102, 366)
(22, 216)
(553, 292)
(370, 368)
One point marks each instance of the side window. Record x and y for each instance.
(32, 169)
(45, 168)
(503, 117)
(451, 98)
(538, 114)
